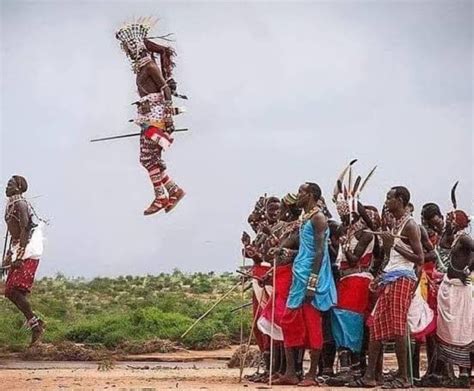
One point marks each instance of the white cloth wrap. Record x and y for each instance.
(34, 248)
(455, 312)
(420, 315)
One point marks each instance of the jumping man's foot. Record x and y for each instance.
(157, 205)
(174, 199)
(37, 330)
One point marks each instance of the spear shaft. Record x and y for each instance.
(129, 135)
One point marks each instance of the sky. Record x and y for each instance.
(279, 93)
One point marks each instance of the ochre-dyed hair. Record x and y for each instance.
(461, 218)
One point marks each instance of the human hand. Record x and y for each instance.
(309, 296)
(388, 240)
(16, 264)
(8, 259)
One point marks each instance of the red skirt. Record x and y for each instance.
(391, 311)
(284, 276)
(302, 327)
(22, 278)
(263, 341)
(353, 294)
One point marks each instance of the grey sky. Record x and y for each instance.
(279, 93)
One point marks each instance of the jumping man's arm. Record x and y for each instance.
(24, 222)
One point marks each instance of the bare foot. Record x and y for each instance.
(308, 382)
(286, 381)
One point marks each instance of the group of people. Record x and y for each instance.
(348, 288)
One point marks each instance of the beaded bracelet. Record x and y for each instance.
(312, 282)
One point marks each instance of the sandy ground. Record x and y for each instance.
(207, 375)
(173, 371)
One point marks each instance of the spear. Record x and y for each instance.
(210, 309)
(241, 306)
(129, 135)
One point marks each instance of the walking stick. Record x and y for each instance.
(254, 322)
(210, 309)
(242, 308)
(271, 327)
(410, 357)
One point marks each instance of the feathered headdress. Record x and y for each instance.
(346, 195)
(133, 37)
(461, 218)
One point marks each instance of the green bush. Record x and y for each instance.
(110, 311)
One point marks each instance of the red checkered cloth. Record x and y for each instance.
(22, 277)
(302, 327)
(391, 311)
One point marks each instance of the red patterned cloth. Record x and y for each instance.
(284, 275)
(263, 341)
(434, 279)
(22, 277)
(302, 327)
(353, 294)
(391, 311)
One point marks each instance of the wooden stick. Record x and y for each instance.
(272, 326)
(254, 322)
(380, 233)
(210, 309)
(243, 275)
(129, 135)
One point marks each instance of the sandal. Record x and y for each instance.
(157, 205)
(360, 383)
(395, 384)
(174, 199)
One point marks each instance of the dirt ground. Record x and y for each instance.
(170, 371)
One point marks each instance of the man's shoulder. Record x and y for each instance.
(411, 226)
(319, 220)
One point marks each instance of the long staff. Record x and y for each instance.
(129, 135)
(242, 277)
(254, 322)
(210, 309)
(272, 325)
(410, 357)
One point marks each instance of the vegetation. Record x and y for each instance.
(113, 311)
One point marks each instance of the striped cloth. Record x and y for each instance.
(391, 310)
(456, 355)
